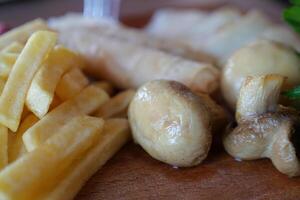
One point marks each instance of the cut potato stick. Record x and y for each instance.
(2, 84)
(115, 134)
(42, 88)
(117, 106)
(55, 102)
(16, 147)
(14, 47)
(22, 33)
(25, 113)
(106, 86)
(7, 60)
(71, 84)
(14, 92)
(3, 146)
(36, 172)
(86, 102)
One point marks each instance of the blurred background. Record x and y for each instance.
(133, 12)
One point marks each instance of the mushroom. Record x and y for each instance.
(260, 58)
(264, 128)
(173, 124)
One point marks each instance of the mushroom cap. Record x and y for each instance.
(260, 58)
(171, 123)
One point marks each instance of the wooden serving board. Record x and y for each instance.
(132, 173)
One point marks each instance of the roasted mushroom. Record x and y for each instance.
(260, 58)
(173, 124)
(265, 129)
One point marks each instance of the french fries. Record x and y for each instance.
(7, 60)
(14, 47)
(106, 86)
(116, 106)
(14, 92)
(42, 88)
(3, 146)
(86, 102)
(53, 147)
(71, 84)
(115, 134)
(38, 171)
(16, 146)
(22, 33)
(2, 84)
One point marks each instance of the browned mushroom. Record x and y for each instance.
(265, 129)
(256, 59)
(173, 124)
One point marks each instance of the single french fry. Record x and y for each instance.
(39, 171)
(2, 84)
(7, 60)
(71, 84)
(106, 86)
(3, 146)
(22, 33)
(42, 88)
(86, 102)
(115, 134)
(55, 102)
(14, 47)
(16, 147)
(117, 106)
(25, 113)
(28, 62)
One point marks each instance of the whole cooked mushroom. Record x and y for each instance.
(173, 124)
(260, 58)
(265, 129)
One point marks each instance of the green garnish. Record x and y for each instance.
(293, 93)
(295, 2)
(292, 16)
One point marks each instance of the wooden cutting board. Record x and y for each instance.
(133, 174)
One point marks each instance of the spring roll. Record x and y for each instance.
(129, 65)
(124, 33)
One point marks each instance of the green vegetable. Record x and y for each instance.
(292, 16)
(295, 2)
(293, 93)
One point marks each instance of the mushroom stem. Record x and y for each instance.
(283, 154)
(218, 115)
(265, 129)
(258, 95)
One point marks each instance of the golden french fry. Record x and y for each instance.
(3, 146)
(55, 102)
(28, 62)
(86, 102)
(7, 60)
(71, 84)
(39, 171)
(117, 106)
(115, 134)
(2, 84)
(16, 147)
(106, 86)
(22, 33)
(14, 47)
(25, 113)
(42, 88)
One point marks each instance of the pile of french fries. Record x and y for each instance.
(57, 128)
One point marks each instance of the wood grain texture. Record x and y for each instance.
(132, 174)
